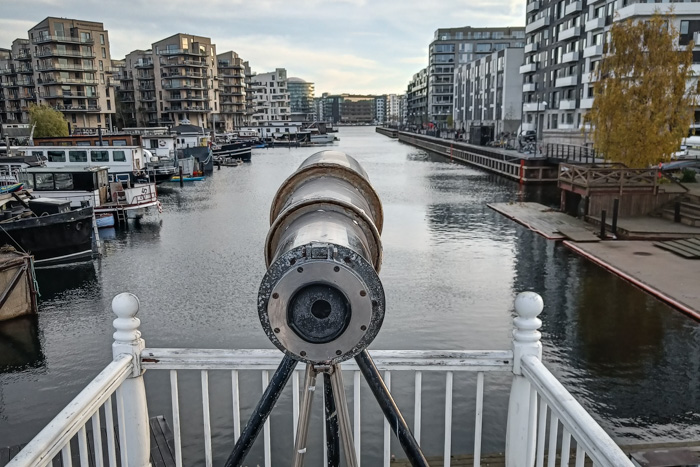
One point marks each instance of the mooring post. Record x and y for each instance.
(182, 182)
(133, 415)
(677, 212)
(602, 224)
(616, 208)
(522, 405)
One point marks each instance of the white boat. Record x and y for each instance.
(322, 139)
(90, 186)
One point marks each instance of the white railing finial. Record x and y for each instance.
(127, 337)
(131, 396)
(526, 337)
(522, 405)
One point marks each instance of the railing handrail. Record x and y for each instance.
(49, 442)
(598, 445)
(269, 359)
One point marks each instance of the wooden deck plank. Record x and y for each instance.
(544, 220)
(690, 246)
(578, 234)
(679, 249)
(162, 447)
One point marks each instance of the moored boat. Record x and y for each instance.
(48, 229)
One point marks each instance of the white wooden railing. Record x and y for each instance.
(544, 421)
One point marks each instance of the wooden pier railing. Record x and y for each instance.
(585, 180)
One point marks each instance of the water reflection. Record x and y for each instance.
(20, 345)
(54, 282)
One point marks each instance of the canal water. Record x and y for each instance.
(452, 268)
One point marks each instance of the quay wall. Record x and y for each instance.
(390, 132)
(522, 169)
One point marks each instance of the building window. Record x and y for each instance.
(104, 52)
(109, 105)
(102, 39)
(684, 27)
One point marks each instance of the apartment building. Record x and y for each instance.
(488, 91)
(184, 67)
(301, 100)
(380, 110)
(70, 61)
(417, 99)
(452, 47)
(232, 72)
(393, 106)
(357, 108)
(564, 43)
(270, 98)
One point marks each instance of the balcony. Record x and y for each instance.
(147, 98)
(147, 87)
(23, 54)
(69, 95)
(567, 126)
(528, 68)
(586, 103)
(67, 39)
(145, 64)
(184, 63)
(567, 104)
(531, 47)
(186, 98)
(529, 87)
(537, 24)
(186, 74)
(595, 23)
(566, 81)
(64, 53)
(181, 52)
(573, 7)
(570, 33)
(197, 87)
(570, 57)
(7, 71)
(588, 77)
(532, 6)
(59, 66)
(78, 108)
(187, 109)
(593, 51)
(59, 80)
(534, 106)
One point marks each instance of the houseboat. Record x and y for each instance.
(90, 186)
(131, 164)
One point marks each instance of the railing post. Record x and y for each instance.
(134, 416)
(522, 406)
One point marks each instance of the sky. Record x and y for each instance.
(342, 46)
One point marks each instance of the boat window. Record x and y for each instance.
(119, 156)
(64, 181)
(56, 156)
(83, 143)
(119, 142)
(38, 154)
(27, 179)
(99, 156)
(44, 181)
(77, 156)
(83, 181)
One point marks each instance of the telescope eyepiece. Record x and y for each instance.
(319, 313)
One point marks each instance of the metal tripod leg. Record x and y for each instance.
(332, 441)
(304, 415)
(341, 406)
(391, 411)
(262, 411)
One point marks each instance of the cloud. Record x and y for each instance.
(340, 45)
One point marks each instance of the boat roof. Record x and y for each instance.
(67, 169)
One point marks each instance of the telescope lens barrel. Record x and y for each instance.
(321, 300)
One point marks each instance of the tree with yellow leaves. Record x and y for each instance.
(643, 106)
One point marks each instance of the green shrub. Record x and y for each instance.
(688, 176)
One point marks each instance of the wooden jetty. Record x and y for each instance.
(524, 168)
(548, 222)
(17, 290)
(661, 273)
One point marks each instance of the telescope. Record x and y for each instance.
(321, 301)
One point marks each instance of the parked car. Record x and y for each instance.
(527, 136)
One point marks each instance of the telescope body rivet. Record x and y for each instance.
(336, 269)
(339, 352)
(300, 269)
(302, 353)
(275, 295)
(363, 327)
(362, 293)
(277, 330)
